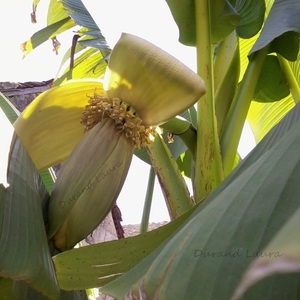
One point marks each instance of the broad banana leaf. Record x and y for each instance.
(96, 265)
(243, 15)
(263, 116)
(281, 28)
(281, 256)
(24, 252)
(33, 258)
(228, 231)
(12, 114)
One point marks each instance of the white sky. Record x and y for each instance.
(149, 19)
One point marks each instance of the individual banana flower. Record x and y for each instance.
(143, 87)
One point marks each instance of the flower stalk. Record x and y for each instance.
(173, 186)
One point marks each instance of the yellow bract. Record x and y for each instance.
(50, 126)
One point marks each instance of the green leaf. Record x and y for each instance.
(47, 33)
(185, 163)
(24, 253)
(90, 64)
(268, 266)
(12, 114)
(22, 291)
(221, 238)
(283, 18)
(262, 117)
(287, 45)
(10, 111)
(224, 19)
(281, 256)
(56, 12)
(272, 85)
(184, 16)
(60, 21)
(96, 265)
(252, 14)
(273, 137)
(82, 17)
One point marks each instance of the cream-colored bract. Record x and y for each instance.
(155, 83)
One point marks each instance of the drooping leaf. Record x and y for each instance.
(24, 252)
(282, 24)
(82, 17)
(286, 45)
(263, 116)
(272, 85)
(224, 19)
(224, 235)
(12, 114)
(46, 33)
(63, 15)
(96, 265)
(252, 16)
(184, 16)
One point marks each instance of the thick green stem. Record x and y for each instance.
(238, 111)
(290, 77)
(173, 186)
(209, 170)
(148, 201)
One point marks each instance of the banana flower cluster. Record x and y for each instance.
(93, 127)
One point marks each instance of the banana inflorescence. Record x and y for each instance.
(143, 87)
(89, 182)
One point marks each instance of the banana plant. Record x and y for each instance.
(235, 238)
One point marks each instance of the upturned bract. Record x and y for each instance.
(144, 87)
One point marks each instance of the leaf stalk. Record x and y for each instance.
(209, 170)
(238, 111)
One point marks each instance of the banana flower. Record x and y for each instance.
(93, 127)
